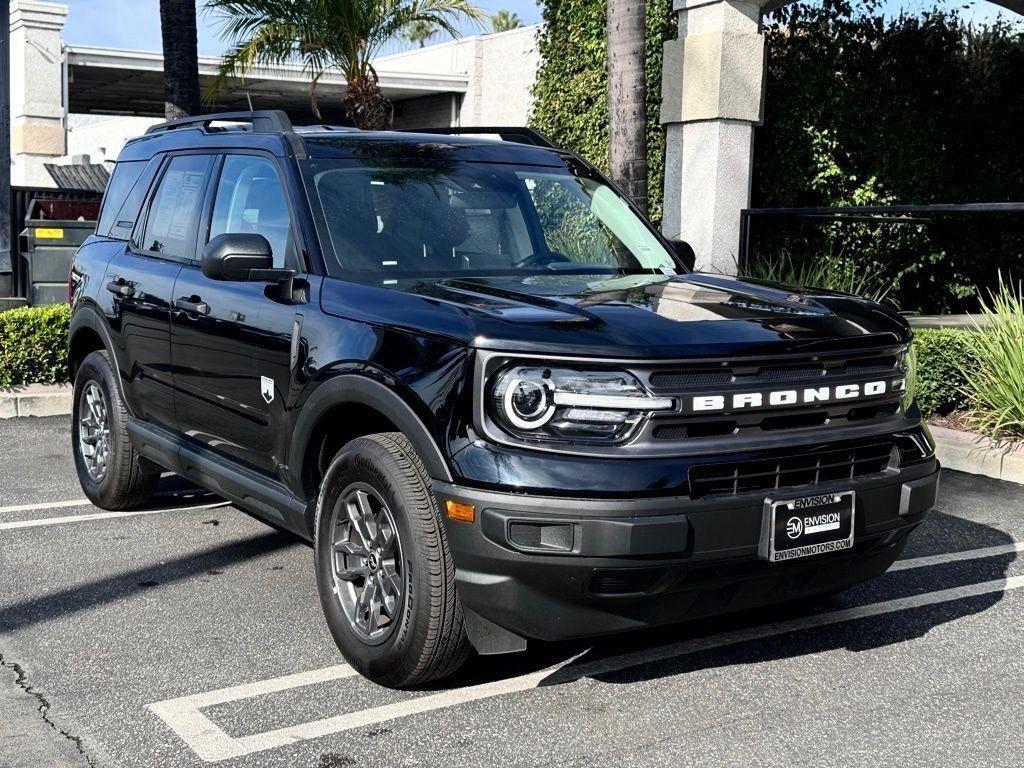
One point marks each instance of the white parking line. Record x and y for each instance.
(46, 505)
(952, 557)
(212, 744)
(18, 524)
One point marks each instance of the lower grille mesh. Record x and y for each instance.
(789, 471)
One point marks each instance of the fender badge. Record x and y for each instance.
(267, 388)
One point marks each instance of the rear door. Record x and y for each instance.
(232, 342)
(140, 278)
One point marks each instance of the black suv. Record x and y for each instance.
(488, 390)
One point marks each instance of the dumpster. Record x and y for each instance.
(54, 228)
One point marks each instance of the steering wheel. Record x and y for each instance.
(543, 259)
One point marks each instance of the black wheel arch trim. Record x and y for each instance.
(88, 316)
(357, 389)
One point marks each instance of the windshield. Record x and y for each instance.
(389, 220)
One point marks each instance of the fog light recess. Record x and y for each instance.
(541, 537)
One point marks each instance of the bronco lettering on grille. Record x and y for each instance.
(778, 398)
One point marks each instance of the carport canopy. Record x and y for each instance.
(122, 82)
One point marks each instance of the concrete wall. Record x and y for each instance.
(101, 137)
(501, 69)
(502, 74)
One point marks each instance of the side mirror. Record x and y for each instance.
(241, 257)
(684, 252)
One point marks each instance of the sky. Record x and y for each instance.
(135, 24)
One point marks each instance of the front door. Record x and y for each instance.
(232, 341)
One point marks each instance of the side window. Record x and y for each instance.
(250, 199)
(174, 212)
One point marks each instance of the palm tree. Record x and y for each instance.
(181, 59)
(323, 34)
(627, 98)
(503, 21)
(419, 32)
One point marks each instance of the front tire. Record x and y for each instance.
(112, 473)
(384, 573)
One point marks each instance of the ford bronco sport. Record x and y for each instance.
(492, 395)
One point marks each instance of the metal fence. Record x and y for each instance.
(948, 252)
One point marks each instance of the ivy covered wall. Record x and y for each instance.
(571, 93)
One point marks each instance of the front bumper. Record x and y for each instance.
(555, 568)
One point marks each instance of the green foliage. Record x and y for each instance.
(505, 21)
(33, 345)
(834, 274)
(419, 32)
(946, 362)
(861, 109)
(571, 92)
(997, 385)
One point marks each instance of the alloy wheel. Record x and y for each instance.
(367, 562)
(94, 430)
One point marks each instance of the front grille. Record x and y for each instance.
(791, 471)
(688, 379)
(753, 375)
(744, 374)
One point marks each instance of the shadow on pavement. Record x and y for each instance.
(113, 588)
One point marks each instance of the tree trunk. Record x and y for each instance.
(627, 98)
(181, 58)
(366, 105)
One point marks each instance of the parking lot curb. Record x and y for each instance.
(35, 400)
(977, 455)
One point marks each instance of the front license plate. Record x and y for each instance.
(807, 525)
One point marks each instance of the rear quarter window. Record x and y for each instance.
(123, 198)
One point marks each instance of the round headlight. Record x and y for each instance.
(526, 401)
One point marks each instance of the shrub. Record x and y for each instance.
(997, 385)
(33, 345)
(945, 362)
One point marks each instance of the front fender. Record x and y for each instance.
(358, 389)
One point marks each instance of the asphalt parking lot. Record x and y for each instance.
(190, 634)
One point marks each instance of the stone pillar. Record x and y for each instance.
(712, 95)
(37, 90)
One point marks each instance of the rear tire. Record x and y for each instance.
(112, 473)
(380, 546)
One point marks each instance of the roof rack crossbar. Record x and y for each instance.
(519, 135)
(262, 121)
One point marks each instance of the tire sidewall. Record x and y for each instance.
(392, 657)
(96, 368)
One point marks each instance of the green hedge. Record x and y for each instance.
(945, 360)
(33, 345)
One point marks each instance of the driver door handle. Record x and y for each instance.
(193, 304)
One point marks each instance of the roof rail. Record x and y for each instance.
(518, 135)
(262, 121)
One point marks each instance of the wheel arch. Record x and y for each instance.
(86, 334)
(350, 406)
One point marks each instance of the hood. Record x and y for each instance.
(693, 315)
